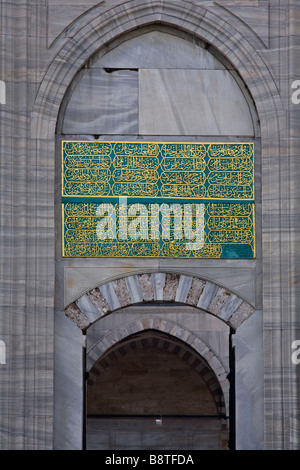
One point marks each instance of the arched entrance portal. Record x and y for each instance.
(90, 290)
(152, 391)
(164, 312)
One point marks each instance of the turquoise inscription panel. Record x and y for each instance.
(158, 199)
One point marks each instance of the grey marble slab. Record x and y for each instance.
(104, 101)
(86, 306)
(44, 45)
(159, 49)
(192, 102)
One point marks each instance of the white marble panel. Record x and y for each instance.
(230, 306)
(207, 295)
(192, 102)
(249, 356)
(134, 288)
(110, 296)
(158, 280)
(157, 49)
(103, 102)
(68, 385)
(86, 306)
(183, 288)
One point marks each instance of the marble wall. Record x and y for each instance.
(167, 85)
(53, 55)
(140, 88)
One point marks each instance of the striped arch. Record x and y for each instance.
(165, 335)
(159, 287)
(96, 28)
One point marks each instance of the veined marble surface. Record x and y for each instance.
(142, 88)
(192, 102)
(44, 46)
(104, 102)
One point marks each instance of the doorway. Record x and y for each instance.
(152, 391)
(233, 279)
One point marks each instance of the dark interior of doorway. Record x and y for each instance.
(151, 391)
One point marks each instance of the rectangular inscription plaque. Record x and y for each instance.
(156, 199)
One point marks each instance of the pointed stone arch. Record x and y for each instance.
(171, 337)
(159, 287)
(91, 32)
(97, 27)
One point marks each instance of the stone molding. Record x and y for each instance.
(166, 335)
(97, 28)
(159, 287)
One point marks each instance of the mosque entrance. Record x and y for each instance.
(151, 388)
(152, 391)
